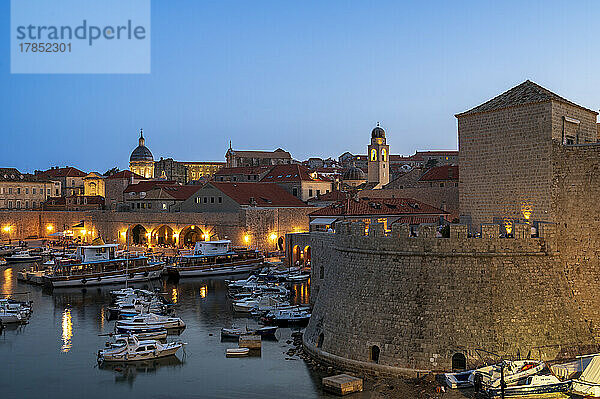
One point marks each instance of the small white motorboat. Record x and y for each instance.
(588, 383)
(237, 352)
(23, 257)
(10, 317)
(151, 320)
(131, 349)
(295, 278)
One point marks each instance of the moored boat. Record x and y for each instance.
(459, 379)
(588, 383)
(143, 322)
(97, 265)
(135, 350)
(22, 257)
(237, 352)
(489, 377)
(211, 258)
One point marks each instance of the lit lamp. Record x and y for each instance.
(247, 238)
(6, 229)
(49, 228)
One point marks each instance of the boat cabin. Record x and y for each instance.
(96, 253)
(212, 247)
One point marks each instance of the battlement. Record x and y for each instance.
(426, 239)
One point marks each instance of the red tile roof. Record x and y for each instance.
(335, 195)
(148, 185)
(242, 170)
(68, 171)
(292, 172)
(179, 193)
(125, 174)
(445, 172)
(263, 194)
(378, 206)
(417, 219)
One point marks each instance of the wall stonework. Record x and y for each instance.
(420, 300)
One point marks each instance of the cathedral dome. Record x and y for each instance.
(378, 132)
(141, 152)
(354, 173)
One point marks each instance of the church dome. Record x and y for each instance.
(378, 132)
(354, 173)
(141, 152)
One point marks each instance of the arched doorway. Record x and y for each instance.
(163, 236)
(296, 255)
(280, 244)
(139, 235)
(190, 235)
(307, 256)
(459, 362)
(374, 354)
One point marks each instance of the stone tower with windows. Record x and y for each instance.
(378, 154)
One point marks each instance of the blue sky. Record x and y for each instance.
(312, 77)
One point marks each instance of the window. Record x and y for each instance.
(26, 190)
(49, 191)
(18, 190)
(220, 200)
(143, 205)
(318, 192)
(455, 184)
(212, 200)
(26, 204)
(10, 190)
(138, 205)
(374, 354)
(56, 191)
(33, 191)
(132, 205)
(18, 204)
(570, 140)
(149, 205)
(205, 200)
(441, 184)
(295, 192)
(373, 154)
(164, 206)
(10, 204)
(383, 154)
(310, 192)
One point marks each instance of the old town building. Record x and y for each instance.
(75, 203)
(93, 185)
(141, 160)
(299, 181)
(242, 173)
(25, 191)
(237, 158)
(70, 178)
(115, 185)
(185, 172)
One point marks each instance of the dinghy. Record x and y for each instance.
(489, 376)
(237, 352)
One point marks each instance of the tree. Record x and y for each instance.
(111, 172)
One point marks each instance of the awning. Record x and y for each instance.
(322, 221)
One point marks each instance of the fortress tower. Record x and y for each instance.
(378, 153)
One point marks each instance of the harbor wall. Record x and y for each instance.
(422, 300)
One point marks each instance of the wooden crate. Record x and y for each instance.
(343, 384)
(249, 341)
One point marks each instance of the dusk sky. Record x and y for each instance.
(311, 77)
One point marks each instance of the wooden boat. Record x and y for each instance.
(537, 386)
(211, 258)
(135, 350)
(237, 352)
(97, 265)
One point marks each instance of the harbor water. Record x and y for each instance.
(54, 355)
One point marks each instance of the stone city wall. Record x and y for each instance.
(421, 300)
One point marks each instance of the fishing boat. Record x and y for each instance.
(143, 322)
(536, 386)
(23, 257)
(490, 376)
(134, 350)
(287, 317)
(98, 265)
(210, 258)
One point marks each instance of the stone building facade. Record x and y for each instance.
(505, 150)
(25, 191)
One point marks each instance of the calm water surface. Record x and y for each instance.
(54, 356)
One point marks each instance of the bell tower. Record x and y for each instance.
(378, 154)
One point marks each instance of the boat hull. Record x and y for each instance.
(217, 270)
(135, 357)
(540, 391)
(104, 280)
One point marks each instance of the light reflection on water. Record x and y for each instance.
(7, 286)
(37, 368)
(67, 331)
